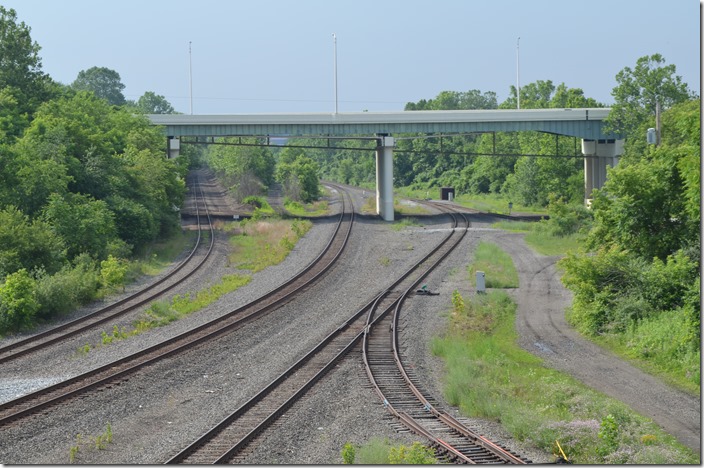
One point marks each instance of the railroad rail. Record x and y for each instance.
(119, 370)
(128, 304)
(402, 397)
(230, 440)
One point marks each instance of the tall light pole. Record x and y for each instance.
(518, 73)
(334, 57)
(190, 76)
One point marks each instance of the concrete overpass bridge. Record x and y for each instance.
(599, 148)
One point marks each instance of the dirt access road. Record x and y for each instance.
(542, 300)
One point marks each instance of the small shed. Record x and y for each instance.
(447, 193)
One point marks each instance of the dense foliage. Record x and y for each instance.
(82, 181)
(249, 169)
(246, 170)
(641, 284)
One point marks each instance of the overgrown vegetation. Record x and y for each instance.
(638, 290)
(382, 452)
(489, 376)
(264, 242)
(298, 209)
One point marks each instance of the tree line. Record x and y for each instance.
(85, 183)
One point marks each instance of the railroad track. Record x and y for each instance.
(232, 439)
(128, 304)
(120, 370)
(399, 391)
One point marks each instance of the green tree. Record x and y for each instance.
(299, 176)
(26, 244)
(152, 103)
(248, 170)
(102, 81)
(650, 202)
(23, 85)
(639, 89)
(38, 169)
(454, 100)
(136, 224)
(18, 303)
(86, 225)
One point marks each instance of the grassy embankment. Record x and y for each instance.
(489, 376)
(256, 244)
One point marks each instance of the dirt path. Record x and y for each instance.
(542, 300)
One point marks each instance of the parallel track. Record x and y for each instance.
(119, 370)
(128, 304)
(232, 439)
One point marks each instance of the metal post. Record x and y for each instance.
(190, 76)
(657, 123)
(518, 73)
(334, 39)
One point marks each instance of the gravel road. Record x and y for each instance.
(158, 411)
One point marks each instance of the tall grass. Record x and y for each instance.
(317, 208)
(541, 239)
(488, 375)
(265, 242)
(496, 264)
(495, 203)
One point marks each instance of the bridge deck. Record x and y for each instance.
(582, 123)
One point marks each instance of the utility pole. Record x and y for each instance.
(334, 58)
(658, 127)
(518, 73)
(190, 76)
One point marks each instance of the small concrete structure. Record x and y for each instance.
(481, 283)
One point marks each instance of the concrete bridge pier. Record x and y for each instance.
(385, 177)
(599, 154)
(173, 147)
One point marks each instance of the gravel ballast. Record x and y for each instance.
(158, 411)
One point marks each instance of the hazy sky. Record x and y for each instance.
(277, 56)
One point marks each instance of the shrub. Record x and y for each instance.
(18, 302)
(417, 454)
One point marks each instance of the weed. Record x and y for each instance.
(102, 440)
(348, 454)
(385, 261)
(75, 449)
